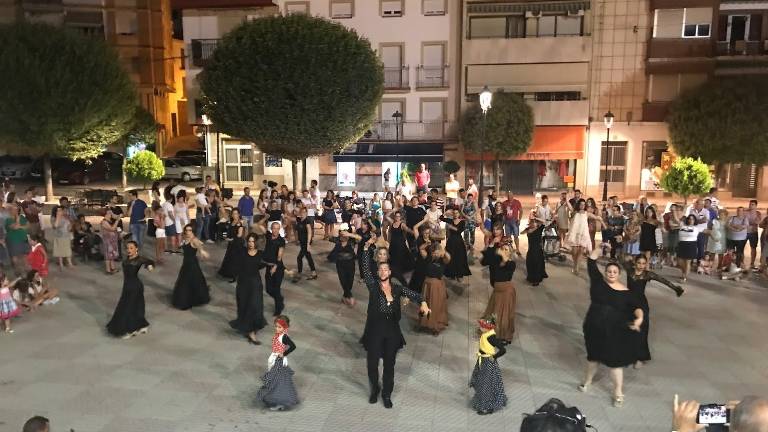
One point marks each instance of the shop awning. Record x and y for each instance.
(549, 143)
(391, 152)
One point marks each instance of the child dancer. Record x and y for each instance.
(278, 392)
(486, 377)
(8, 307)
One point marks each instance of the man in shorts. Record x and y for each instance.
(513, 211)
(754, 218)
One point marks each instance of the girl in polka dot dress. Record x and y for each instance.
(486, 377)
(278, 392)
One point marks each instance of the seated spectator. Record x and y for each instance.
(37, 424)
(30, 292)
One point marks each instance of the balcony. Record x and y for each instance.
(740, 48)
(202, 50)
(566, 112)
(396, 78)
(655, 111)
(432, 77)
(679, 47)
(389, 130)
(570, 49)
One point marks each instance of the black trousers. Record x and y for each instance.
(273, 283)
(346, 271)
(304, 252)
(384, 348)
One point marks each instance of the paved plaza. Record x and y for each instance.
(192, 373)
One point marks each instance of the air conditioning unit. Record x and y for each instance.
(579, 12)
(533, 14)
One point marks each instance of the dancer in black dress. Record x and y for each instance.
(305, 232)
(344, 255)
(363, 234)
(503, 301)
(493, 238)
(612, 325)
(400, 258)
(637, 278)
(249, 293)
(534, 259)
(128, 318)
(273, 260)
(383, 338)
(648, 243)
(458, 267)
(420, 268)
(232, 261)
(190, 289)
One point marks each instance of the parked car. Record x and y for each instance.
(182, 169)
(15, 167)
(65, 170)
(114, 162)
(193, 160)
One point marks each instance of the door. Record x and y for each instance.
(433, 61)
(518, 177)
(432, 117)
(392, 57)
(737, 33)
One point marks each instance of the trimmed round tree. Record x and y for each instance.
(686, 177)
(507, 131)
(145, 167)
(63, 94)
(296, 86)
(722, 121)
(451, 167)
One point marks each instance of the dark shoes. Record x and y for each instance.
(374, 396)
(387, 402)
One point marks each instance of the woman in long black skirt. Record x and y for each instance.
(249, 293)
(129, 319)
(272, 259)
(190, 289)
(534, 259)
(611, 326)
(344, 255)
(637, 278)
(458, 267)
(230, 265)
(400, 258)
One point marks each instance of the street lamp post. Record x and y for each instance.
(206, 126)
(485, 104)
(608, 119)
(397, 115)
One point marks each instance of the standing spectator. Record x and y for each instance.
(471, 187)
(170, 222)
(711, 209)
(513, 212)
(575, 199)
(469, 210)
(69, 212)
(62, 239)
(422, 178)
(764, 245)
(154, 193)
(314, 191)
(202, 215)
(451, 188)
(672, 222)
(159, 216)
(181, 212)
(543, 211)
(712, 197)
(137, 210)
(458, 203)
(687, 247)
(435, 196)
(310, 204)
(702, 223)
(16, 238)
(717, 242)
(754, 217)
(736, 232)
(329, 214)
(404, 188)
(109, 234)
(386, 177)
(262, 203)
(210, 185)
(31, 211)
(562, 216)
(245, 205)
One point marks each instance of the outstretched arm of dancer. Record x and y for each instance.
(666, 282)
(146, 262)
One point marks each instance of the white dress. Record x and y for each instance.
(182, 216)
(578, 232)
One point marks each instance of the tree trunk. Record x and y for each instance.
(304, 174)
(295, 173)
(497, 172)
(124, 175)
(48, 177)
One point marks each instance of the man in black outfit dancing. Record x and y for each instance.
(382, 337)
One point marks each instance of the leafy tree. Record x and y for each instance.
(507, 131)
(686, 177)
(451, 167)
(63, 94)
(143, 130)
(722, 121)
(297, 86)
(145, 166)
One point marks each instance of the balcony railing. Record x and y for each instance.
(396, 78)
(739, 48)
(202, 50)
(389, 130)
(432, 76)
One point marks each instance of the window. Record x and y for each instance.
(296, 7)
(183, 58)
(666, 87)
(520, 26)
(391, 8)
(568, 25)
(697, 22)
(433, 7)
(617, 161)
(125, 23)
(238, 162)
(342, 9)
(512, 26)
(272, 161)
(557, 96)
(174, 125)
(547, 25)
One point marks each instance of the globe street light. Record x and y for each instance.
(486, 96)
(608, 119)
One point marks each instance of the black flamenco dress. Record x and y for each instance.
(607, 335)
(249, 295)
(648, 237)
(420, 271)
(534, 259)
(637, 283)
(129, 313)
(232, 261)
(400, 258)
(457, 267)
(190, 289)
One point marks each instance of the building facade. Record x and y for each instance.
(541, 51)
(140, 31)
(417, 43)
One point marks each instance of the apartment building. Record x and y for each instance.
(541, 50)
(416, 121)
(658, 49)
(140, 30)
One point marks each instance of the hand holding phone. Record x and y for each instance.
(710, 414)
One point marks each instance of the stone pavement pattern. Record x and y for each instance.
(192, 373)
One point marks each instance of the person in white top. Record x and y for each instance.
(712, 197)
(404, 188)
(702, 223)
(737, 228)
(543, 211)
(452, 187)
(687, 247)
(310, 204)
(471, 187)
(170, 222)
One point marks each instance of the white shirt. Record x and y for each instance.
(310, 204)
(202, 201)
(168, 209)
(472, 190)
(690, 233)
(737, 235)
(452, 189)
(544, 212)
(700, 214)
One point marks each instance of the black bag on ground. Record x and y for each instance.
(554, 416)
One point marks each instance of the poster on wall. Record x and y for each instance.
(345, 174)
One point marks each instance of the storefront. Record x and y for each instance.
(549, 165)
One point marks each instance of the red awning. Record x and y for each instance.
(549, 143)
